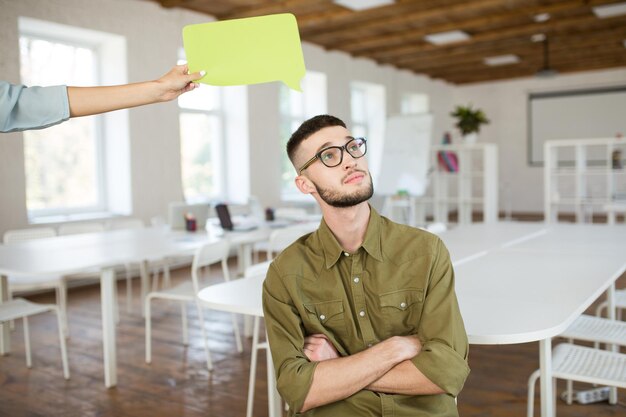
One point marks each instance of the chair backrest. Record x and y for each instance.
(281, 238)
(209, 254)
(125, 224)
(257, 269)
(21, 235)
(78, 228)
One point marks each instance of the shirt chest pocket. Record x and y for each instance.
(401, 311)
(327, 317)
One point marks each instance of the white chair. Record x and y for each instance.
(583, 364)
(579, 363)
(205, 256)
(38, 282)
(254, 271)
(620, 304)
(21, 308)
(78, 228)
(281, 238)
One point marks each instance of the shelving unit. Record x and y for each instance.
(474, 185)
(581, 176)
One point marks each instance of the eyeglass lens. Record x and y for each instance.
(333, 156)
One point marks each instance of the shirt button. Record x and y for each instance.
(369, 345)
(402, 305)
(322, 317)
(362, 313)
(346, 254)
(356, 280)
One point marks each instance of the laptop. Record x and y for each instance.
(227, 222)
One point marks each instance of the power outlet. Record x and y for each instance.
(593, 395)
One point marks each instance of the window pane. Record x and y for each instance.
(204, 98)
(357, 103)
(295, 108)
(414, 103)
(200, 135)
(62, 163)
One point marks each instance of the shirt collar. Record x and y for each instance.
(333, 250)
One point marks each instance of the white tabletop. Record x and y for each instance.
(75, 253)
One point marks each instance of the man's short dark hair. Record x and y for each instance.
(308, 128)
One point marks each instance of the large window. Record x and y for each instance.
(295, 108)
(414, 103)
(64, 163)
(367, 102)
(202, 139)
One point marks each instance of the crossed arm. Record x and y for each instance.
(385, 367)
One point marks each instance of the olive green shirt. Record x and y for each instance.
(400, 282)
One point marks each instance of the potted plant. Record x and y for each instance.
(469, 121)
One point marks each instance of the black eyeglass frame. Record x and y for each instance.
(341, 148)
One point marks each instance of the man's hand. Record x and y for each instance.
(407, 347)
(318, 348)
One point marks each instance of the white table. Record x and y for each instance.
(516, 283)
(66, 255)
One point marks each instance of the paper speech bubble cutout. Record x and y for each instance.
(246, 51)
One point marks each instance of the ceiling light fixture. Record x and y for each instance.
(443, 38)
(546, 71)
(359, 5)
(494, 61)
(610, 10)
(538, 37)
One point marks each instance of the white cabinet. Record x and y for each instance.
(583, 176)
(474, 185)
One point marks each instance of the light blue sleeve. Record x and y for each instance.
(24, 108)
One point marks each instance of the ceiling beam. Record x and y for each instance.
(371, 41)
(407, 54)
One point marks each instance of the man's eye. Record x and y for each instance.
(355, 147)
(327, 156)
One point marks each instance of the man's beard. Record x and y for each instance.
(337, 199)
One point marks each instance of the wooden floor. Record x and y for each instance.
(178, 384)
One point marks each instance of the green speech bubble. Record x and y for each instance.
(246, 51)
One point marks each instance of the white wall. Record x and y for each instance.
(505, 103)
(153, 37)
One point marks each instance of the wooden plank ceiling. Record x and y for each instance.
(394, 34)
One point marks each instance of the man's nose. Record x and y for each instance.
(348, 161)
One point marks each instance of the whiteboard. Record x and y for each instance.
(405, 160)
(578, 114)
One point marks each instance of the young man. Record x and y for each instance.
(361, 315)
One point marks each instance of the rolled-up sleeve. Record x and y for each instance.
(285, 332)
(443, 358)
(24, 108)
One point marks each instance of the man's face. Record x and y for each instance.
(344, 185)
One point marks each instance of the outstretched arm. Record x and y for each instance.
(86, 101)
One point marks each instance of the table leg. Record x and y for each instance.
(107, 286)
(144, 276)
(610, 299)
(5, 334)
(273, 398)
(545, 364)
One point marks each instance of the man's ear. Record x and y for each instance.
(305, 185)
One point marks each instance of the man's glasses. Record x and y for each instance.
(333, 155)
